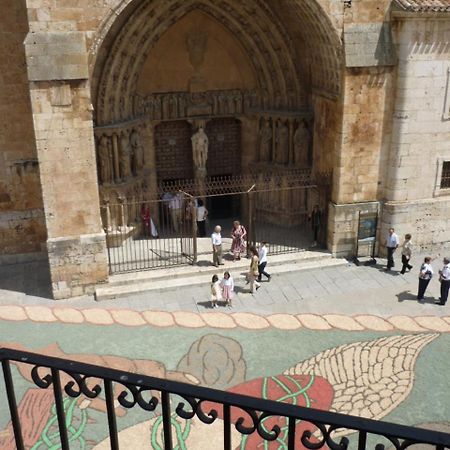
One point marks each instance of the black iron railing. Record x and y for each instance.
(247, 414)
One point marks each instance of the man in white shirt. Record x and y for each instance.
(175, 207)
(444, 277)
(202, 214)
(262, 255)
(216, 239)
(391, 245)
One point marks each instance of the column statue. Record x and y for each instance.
(265, 141)
(125, 156)
(138, 151)
(301, 145)
(200, 149)
(104, 160)
(282, 141)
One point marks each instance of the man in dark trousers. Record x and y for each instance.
(444, 277)
(316, 223)
(391, 245)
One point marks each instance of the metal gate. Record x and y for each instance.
(149, 234)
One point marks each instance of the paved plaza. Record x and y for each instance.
(353, 337)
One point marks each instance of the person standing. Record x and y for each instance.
(238, 244)
(227, 285)
(444, 278)
(175, 207)
(316, 223)
(202, 214)
(406, 254)
(262, 255)
(253, 272)
(425, 275)
(216, 239)
(216, 291)
(391, 245)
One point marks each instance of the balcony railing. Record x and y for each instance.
(247, 414)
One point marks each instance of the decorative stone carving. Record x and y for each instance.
(125, 156)
(282, 143)
(265, 141)
(181, 105)
(105, 160)
(301, 145)
(200, 148)
(196, 41)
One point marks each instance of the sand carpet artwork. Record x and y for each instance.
(369, 377)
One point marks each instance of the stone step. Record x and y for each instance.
(167, 279)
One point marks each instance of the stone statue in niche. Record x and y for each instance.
(196, 41)
(165, 107)
(173, 106)
(301, 145)
(138, 151)
(230, 103)
(265, 141)
(282, 141)
(200, 148)
(125, 156)
(104, 156)
(157, 108)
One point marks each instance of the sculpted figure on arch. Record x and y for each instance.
(200, 148)
(265, 141)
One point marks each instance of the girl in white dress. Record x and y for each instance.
(216, 291)
(227, 285)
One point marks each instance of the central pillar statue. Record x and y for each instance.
(200, 144)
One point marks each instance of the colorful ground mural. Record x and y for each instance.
(392, 375)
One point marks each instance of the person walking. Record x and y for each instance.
(406, 254)
(444, 278)
(216, 291)
(216, 239)
(253, 272)
(227, 285)
(391, 245)
(238, 244)
(262, 255)
(202, 214)
(425, 275)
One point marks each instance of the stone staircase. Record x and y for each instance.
(201, 273)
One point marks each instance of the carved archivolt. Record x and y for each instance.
(261, 26)
(258, 31)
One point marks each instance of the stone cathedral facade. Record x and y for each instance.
(100, 99)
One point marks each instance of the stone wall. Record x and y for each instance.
(421, 133)
(22, 228)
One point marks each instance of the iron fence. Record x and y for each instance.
(169, 399)
(156, 233)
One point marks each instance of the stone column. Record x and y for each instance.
(62, 115)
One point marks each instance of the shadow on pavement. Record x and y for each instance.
(408, 295)
(32, 278)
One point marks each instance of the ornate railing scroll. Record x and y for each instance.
(247, 415)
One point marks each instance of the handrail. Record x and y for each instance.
(327, 422)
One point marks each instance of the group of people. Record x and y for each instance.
(426, 271)
(224, 289)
